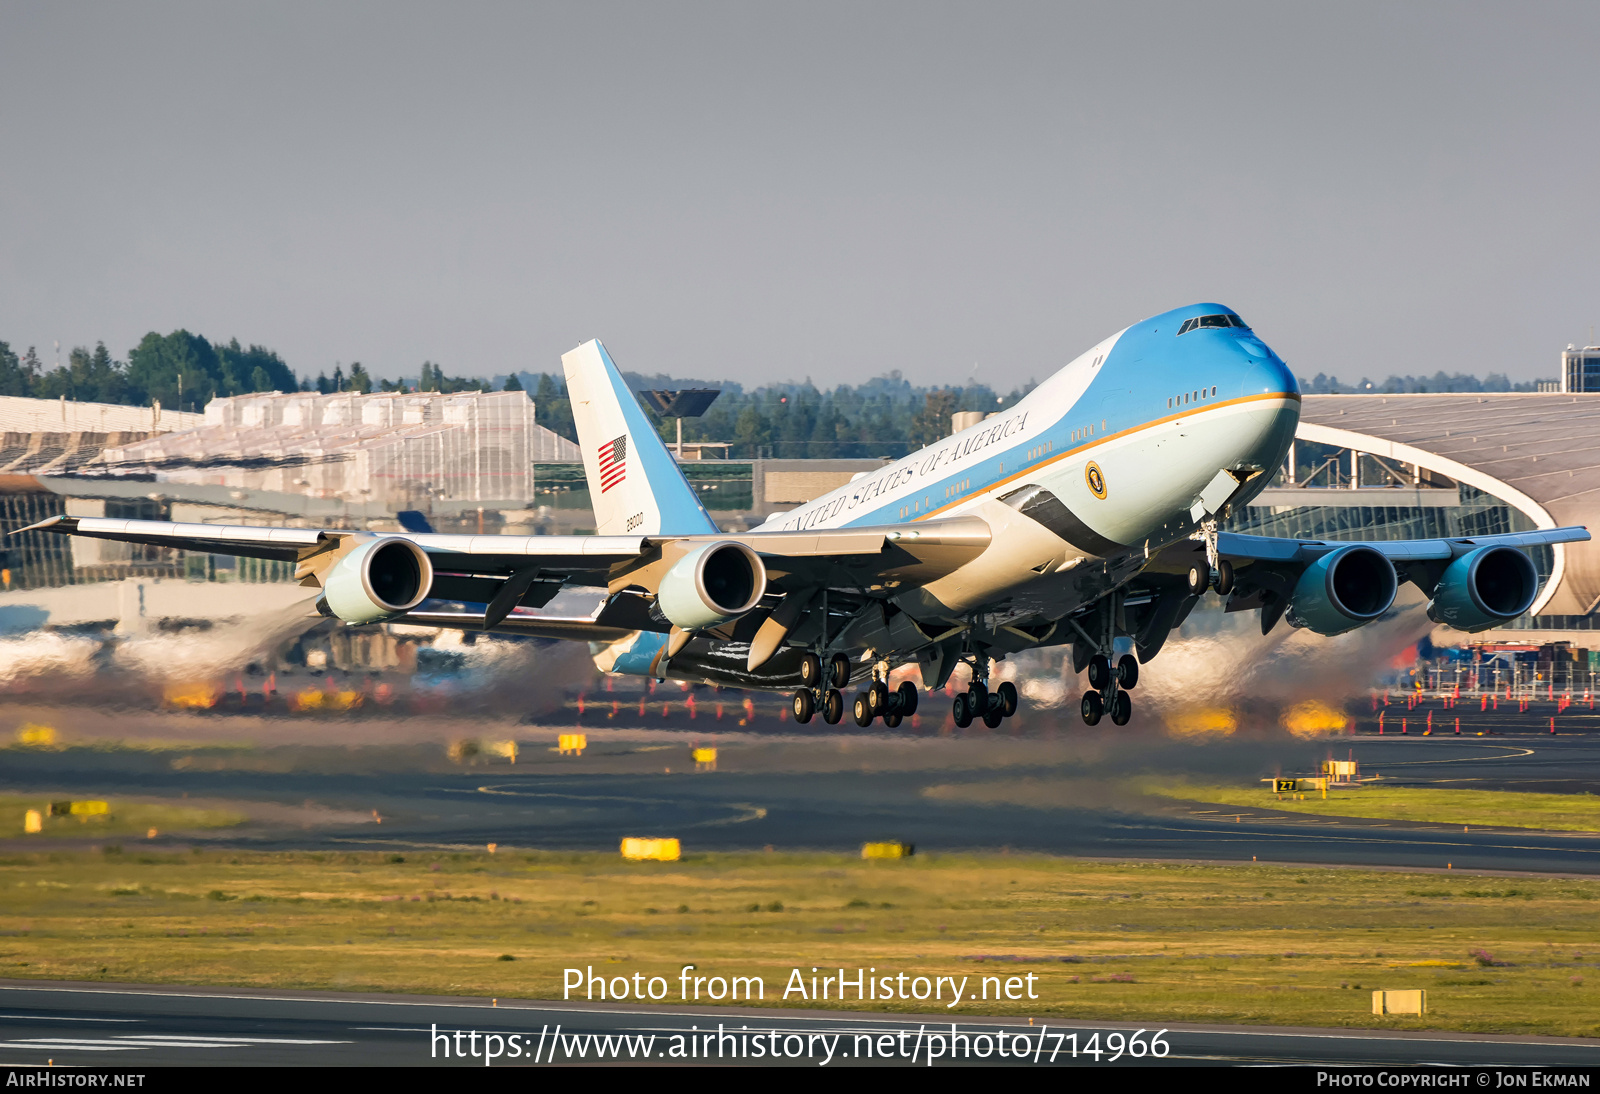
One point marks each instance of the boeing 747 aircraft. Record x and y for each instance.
(1087, 514)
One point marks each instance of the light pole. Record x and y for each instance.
(687, 403)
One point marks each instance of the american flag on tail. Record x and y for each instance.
(613, 462)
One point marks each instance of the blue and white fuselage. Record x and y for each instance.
(1159, 413)
(1128, 448)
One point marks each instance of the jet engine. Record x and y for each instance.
(1484, 588)
(378, 580)
(1343, 590)
(712, 584)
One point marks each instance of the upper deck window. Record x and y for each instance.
(1212, 321)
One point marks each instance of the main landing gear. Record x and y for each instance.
(807, 703)
(879, 702)
(1110, 694)
(876, 702)
(979, 702)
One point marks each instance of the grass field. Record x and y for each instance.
(1137, 942)
(123, 818)
(1490, 808)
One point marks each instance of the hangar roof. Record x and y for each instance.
(1545, 447)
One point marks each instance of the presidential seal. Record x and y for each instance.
(1096, 479)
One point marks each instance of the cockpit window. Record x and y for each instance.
(1212, 321)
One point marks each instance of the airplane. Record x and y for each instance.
(1085, 515)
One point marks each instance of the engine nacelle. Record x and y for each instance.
(1485, 588)
(712, 584)
(378, 580)
(1343, 590)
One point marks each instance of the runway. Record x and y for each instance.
(137, 1027)
(1073, 797)
(1076, 795)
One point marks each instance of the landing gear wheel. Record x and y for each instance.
(1121, 708)
(878, 697)
(962, 710)
(907, 692)
(863, 710)
(994, 716)
(811, 670)
(1099, 671)
(1199, 577)
(1091, 708)
(1224, 577)
(839, 670)
(977, 698)
(1127, 670)
(804, 706)
(833, 707)
(892, 720)
(1007, 693)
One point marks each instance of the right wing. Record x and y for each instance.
(1268, 573)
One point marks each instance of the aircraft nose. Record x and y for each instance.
(1265, 434)
(1263, 372)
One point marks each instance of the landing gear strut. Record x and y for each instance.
(979, 702)
(1111, 697)
(813, 697)
(879, 702)
(1110, 683)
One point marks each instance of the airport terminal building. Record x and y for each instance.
(1411, 466)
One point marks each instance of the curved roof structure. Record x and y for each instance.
(1539, 453)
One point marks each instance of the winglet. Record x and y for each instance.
(64, 525)
(635, 486)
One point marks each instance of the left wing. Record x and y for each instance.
(504, 573)
(1475, 581)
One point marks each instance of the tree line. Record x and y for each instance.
(184, 371)
(1323, 384)
(886, 416)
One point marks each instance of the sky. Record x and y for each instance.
(769, 192)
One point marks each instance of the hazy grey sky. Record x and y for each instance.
(769, 192)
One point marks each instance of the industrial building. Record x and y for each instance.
(1580, 369)
(384, 453)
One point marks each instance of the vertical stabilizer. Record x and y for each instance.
(634, 483)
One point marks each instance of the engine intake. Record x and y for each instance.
(379, 580)
(1343, 590)
(1485, 588)
(712, 584)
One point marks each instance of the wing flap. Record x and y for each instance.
(281, 544)
(535, 626)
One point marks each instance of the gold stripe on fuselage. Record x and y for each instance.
(1107, 439)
